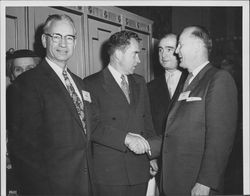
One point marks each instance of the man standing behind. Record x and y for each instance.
(201, 125)
(164, 90)
(49, 119)
(121, 105)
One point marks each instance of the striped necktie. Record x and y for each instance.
(125, 87)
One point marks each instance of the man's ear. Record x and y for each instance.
(118, 54)
(43, 38)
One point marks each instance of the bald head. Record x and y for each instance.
(201, 34)
(194, 47)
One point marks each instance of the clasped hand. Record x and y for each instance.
(137, 143)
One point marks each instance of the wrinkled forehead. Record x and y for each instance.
(62, 26)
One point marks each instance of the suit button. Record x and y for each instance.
(166, 135)
(142, 133)
(113, 118)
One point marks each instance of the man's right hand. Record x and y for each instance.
(137, 143)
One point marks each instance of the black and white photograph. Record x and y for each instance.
(124, 98)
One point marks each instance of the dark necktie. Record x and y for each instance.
(190, 75)
(77, 101)
(125, 87)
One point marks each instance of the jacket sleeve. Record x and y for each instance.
(221, 119)
(155, 141)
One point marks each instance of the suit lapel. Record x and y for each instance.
(178, 88)
(198, 77)
(134, 90)
(59, 88)
(111, 87)
(191, 87)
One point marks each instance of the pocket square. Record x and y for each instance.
(193, 99)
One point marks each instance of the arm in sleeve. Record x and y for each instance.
(221, 119)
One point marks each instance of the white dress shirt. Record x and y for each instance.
(117, 75)
(172, 79)
(197, 70)
(58, 70)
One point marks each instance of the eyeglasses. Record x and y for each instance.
(57, 37)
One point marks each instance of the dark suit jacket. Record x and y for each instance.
(199, 134)
(160, 101)
(48, 147)
(113, 162)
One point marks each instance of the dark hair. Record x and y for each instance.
(121, 40)
(57, 17)
(203, 34)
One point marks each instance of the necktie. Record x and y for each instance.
(190, 75)
(125, 87)
(77, 101)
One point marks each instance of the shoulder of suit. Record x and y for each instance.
(92, 77)
(138, 78)
(156, 81)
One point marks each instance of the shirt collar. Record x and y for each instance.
(199, 68)
(54, 66)
(117, 75)
(167, 73)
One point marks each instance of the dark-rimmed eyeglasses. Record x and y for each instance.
(57, 38)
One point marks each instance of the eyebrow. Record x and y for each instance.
(171, 47)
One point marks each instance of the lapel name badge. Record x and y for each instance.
(86, 96)
(184, 95)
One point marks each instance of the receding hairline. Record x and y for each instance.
(57, 18)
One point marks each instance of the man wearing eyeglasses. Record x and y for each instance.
(49, 127)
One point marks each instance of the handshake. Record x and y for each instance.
(137, 144)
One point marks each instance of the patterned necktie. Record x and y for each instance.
(190, 75)
(125, 87)
(77, 101)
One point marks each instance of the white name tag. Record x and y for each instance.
(86, 96)
(184, 95)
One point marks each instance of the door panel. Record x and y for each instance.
(99, 33)
(16, 28)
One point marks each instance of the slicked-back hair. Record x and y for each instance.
(57, 17)
(203, 34)
(121, 40)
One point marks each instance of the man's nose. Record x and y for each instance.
(177, 50)
(63, 41)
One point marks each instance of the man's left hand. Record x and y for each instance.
(200, 189)
(153, 167)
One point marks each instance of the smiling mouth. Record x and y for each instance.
(165, 61)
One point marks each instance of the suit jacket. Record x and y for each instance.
(47, 144)
(160, 100)
(199, 133)
(113, 162)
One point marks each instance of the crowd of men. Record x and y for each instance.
(109, 133)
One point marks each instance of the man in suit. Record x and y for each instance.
(49, 131)
(164, 89)
(121, 106)
(201, 125)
